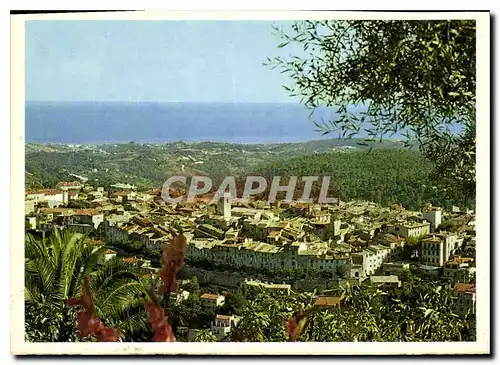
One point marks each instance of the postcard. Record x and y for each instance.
(250, 183)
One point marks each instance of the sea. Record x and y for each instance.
(150, 122)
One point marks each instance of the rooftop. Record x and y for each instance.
(384, 279)
(70, 183)
(465, 288)
(87, 212)
(92, 242)
(57, 210)
(131, 260)
(414, 224)
(460, 260)
(44, 191)
(209, 296)
(327, 301)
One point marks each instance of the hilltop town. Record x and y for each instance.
(281, 247)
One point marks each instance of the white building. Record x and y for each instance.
(436, 250)
(223, 324)
(87, 216)
(391, 281)
(70, 185)
(109, 254)
(212, 301)
(121, 186)
(30, 222)
(179, 296)
(409, 229)
(224, 206)
(433, 215)
(261, 255)
(371, 258)
(276, 288)
(53, 197)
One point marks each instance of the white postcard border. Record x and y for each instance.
(481, 346)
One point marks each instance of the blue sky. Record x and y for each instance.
(179, 61)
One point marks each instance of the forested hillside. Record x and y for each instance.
(385, 176)
(148, 165)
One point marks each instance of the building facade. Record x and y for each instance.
(466, 298)
(212, 301)
(408, 230)
(436, 250)
(433, 215)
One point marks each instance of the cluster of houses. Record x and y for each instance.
(348, 240)
(222, 324)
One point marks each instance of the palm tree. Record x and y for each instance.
(118, 289)
(55, 268)
(54, 272)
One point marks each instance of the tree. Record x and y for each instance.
(204, 335)
(382, 77)
(54, 272)
(235, 303)
(342, 272)
(54, 268)
(43, 323)
(193, 286)
(118, 289)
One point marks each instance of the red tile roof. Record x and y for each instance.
(210, 296)
(392, 238)
(87, 212)
(459, 260)
(44, 191)
(57, 210)
(69, 183)
(465, 288)
(223, 317)
(131, 260)
(327, 301)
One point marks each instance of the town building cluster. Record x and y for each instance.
(354, 240)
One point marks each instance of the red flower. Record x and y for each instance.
(291, 329)
(158, 321)
(108, 335)
(172, 260)
(88, 323)
(295, 325)
(156, 314)
(85, 299)
(164, 334)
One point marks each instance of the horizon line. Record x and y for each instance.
(164, 101)
(217, 142)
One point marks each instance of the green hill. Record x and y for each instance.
(385, 176)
